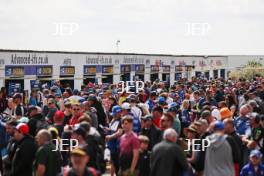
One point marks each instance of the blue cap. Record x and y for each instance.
(75, 91)
(81, 100)
(161, 100)
(173, 106)
(219, 125)
(116, 109)
(256, 153)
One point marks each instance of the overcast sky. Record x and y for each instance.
(142, 26)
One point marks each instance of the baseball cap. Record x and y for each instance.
(78, 151)
(200, 122)
(161, 100)
(147, 117)
(192, 128)
(91, 98)
(205, 114)
(253, 103)
(219, 125)
(216, 113)
(31, 108)
(54, 88)
(132, 98)
(17, 95)
(125, 106)
(23, 128)
(225, 113)
(75, 92)
(256, 153)
(116, 109)
(80, 131)
(59, 114)
(173, 106)
(153, 93)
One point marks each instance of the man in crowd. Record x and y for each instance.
(19, 109)
(48, 159)
(79, 159)
(157, 114)
(254, 167)
(150, 130)
(25, 151)
(167, 158)
(230, 131)
(129, 148)
(215, 162)
(36, 120)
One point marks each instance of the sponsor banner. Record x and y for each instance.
(44, 70)
(14, 71)
(125, 68)
(89, 70)
(67, 70)
(154, 68)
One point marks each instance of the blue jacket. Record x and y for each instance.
(248, 170)
(242, 125)
(151, 104)
(186, 120)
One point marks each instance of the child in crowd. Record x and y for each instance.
(144, 156)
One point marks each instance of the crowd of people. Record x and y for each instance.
(192, 128)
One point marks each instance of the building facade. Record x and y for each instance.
(25, 69)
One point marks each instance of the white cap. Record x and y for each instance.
(125, 106)
(216, 113)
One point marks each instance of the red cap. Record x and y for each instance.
(59, 114)
(23, 128)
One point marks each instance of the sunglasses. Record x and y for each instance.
(76, 109)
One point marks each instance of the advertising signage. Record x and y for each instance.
(107, 69)
(154, 68)
(166, 68)
(140, 68)
(44, 70)
(89, 70)
(125, 68)
(67, 70)
(14, 71)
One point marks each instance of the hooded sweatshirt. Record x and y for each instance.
(218, 158)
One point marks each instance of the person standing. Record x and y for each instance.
(254, 167)
(47, 161)
(129, 148)
(219, 158)
(230, 131)
(19, 109)
(113, 134)
(25, 151)
(143, 165)
(79, 159)
(151, 131)
(167, 158)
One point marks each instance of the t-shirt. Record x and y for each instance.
(177, 125)
(258, 137)
(51, 159)
(128, 143)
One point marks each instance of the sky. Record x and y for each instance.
(134, 26)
